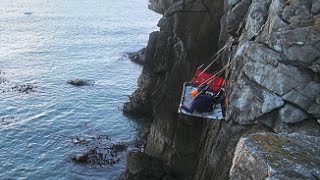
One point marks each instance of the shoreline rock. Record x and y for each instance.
(138, 57)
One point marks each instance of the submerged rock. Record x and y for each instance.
(81, 82)
(99, 151)
(276, 156)
(24, 88)
(7, 120)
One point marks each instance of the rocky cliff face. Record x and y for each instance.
(274, 84)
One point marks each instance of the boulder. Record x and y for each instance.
(276, 156)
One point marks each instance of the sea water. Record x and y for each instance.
(44, 44)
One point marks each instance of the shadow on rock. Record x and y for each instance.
(142, 166)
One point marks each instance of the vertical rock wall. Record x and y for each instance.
(189, 35)
(274, 84)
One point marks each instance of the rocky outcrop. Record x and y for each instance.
(138, 57)
(274, 85)
(271, 156)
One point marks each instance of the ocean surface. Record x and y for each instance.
(44, 121)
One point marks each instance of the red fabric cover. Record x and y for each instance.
(197, 80)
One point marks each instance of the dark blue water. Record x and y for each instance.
(45, 43)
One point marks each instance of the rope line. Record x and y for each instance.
(216, 56)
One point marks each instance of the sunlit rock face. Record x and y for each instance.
(271, 156)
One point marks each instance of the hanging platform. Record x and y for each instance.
(186, 98)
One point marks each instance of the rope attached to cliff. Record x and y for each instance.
(217, 55)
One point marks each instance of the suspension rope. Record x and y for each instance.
(216, 56)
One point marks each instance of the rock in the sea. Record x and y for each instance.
(99, 151)
(276, 156)
(138, 57)
(81, 82)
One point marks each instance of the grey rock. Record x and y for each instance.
(297, 10)
(232, 3)
(306, 38)
(138, 57)
(251, 101)
(81, 82)
(315, 6)
(292, 114)
(312, 90)
(306, 97)
(315, 67)
(256, 17)
(277, 79)
(314, 110)
(272, 156)
(298, 98)
(160, 6)
(236, 16)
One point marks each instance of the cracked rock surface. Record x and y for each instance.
(271, 156)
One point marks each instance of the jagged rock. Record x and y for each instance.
(315, 67)
(251, 102)
(185, 6)
(257, 16)
(315, 7)
(314, 110)
(274, 76)
(297, 10)
(272, 156)
(138, 57)
(306, 98)
(99, 151)
(160, 6)
(140, 101)
(299, 44)
(291, 114)
(236, 15)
